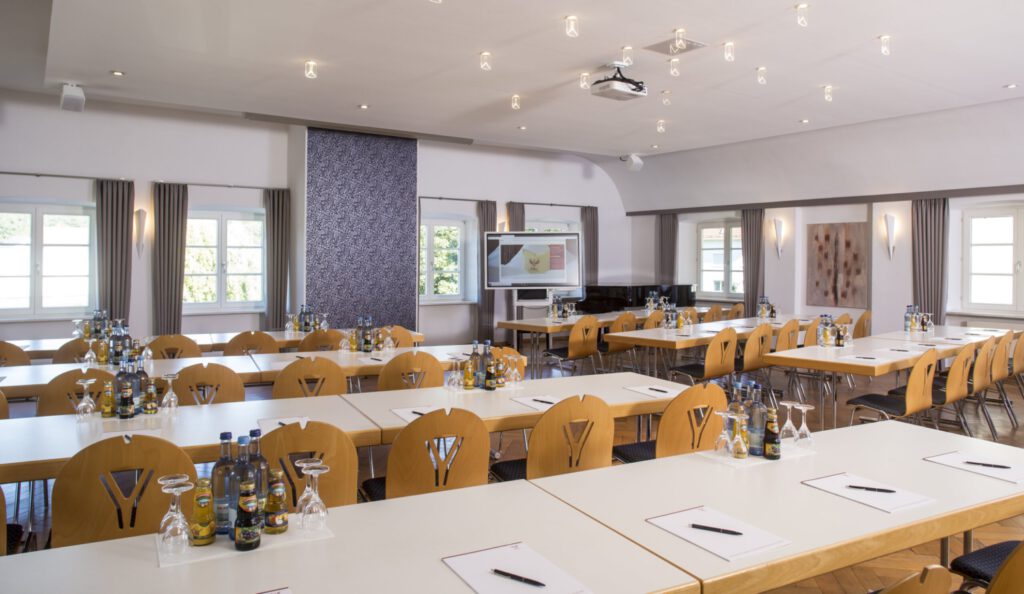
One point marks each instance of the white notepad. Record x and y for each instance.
(653, 391)
(727, 546)
(268, 425)
(535, 403)
(410, 414)
(838, 484)
(476, 569)
(1013, 474)
(224, 547)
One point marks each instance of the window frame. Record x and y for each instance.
(443, 220)
(1016, 212)
(728, 225)
(36, 310)
(222, 305)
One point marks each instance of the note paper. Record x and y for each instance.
(268, 425)
(411, 414)
(839, 484)
(476, 569)
(1014, 474)
(654, 391)
(540, 402)
(727, 546)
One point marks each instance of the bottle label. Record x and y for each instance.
(247, 534)
(248, 503)
(203, 501)
(277, 490)
(772, 450)
(277, 519)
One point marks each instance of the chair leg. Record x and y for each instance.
(984, 411)
(959, 407)
(1005, 398)
(369, 451)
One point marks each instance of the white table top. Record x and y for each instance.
(387, 546)
(501, 413)
(36, 447)
(357, 363)
(700, 334)
(871, 356)
(553, 326)
(944, 333)
(826, 532)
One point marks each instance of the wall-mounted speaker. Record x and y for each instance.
(72, 98)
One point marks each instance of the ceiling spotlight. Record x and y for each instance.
(654, 146)
(117, 73)
(436, 1)
(365, 106)
(730, 51)
(627, 55)
(660, 126)
(1010, 86)
(828, 93)
(762, 75)
(485, 61)
(584, 80)
(666, 98)
(805, 121)
(515, 102)
(522, 127)
(572, 26)
(801, 14)
(884, 45)
(673, 66)
(310, 69)
(680, 39)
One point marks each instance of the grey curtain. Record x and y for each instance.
(277, 205)
(516, 212)
(929, 232)
(115, 212)
(487, 214)
(666, 228)
(588, 217)
(752, 240)
(170, 209)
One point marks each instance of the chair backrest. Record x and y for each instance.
(310, 376)
(411, 370)
(511, 352)
(1018, 357)
(690, 311)
(1001, 357)
(919, 384)
(5, 412)
(71, 351)
(844, 319)
(174, 346)
(12, 354)
(574, 434)
(3, 541)
(713, 314)
(254, 341)
(981, 373)
(583, 337)
(437, 452)
(654, 320)
(689, 423)
(811, 333)
(401, 336)
(720, 358)
(957, 387)
(207, 383)
(62, 393)
(863, 326)
(625, 322)
(735, 312)
(758, 344)
(284, 445)
(789, 336)
(321, 340)
(1009, 579)
(934, 579)
(109, 489)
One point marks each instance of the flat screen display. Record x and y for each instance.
(533, 260)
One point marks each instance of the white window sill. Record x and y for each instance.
(29, 318)
(434, 303)
(1006, 315)
(718, 299)
(221, 312)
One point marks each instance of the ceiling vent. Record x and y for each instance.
(668, 47)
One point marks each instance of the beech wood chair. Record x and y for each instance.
(206, 383)
(862, 328)
(1001, 362)
(284, 445)
(624, 322)
(934, 579)
(310, 376)
(251, 343)
(72, 351)
(998, 568)
(5, 411)
(916, 399)
(844, 319)
(401, 336)
(654, 320)
(735, 312)
(321, 340)
(582, 345)
(719, 360)
(713, 314)
(174, 346)
(411, 370)
(689, 424)
(62, 394)
(757, 345)
(12, 354)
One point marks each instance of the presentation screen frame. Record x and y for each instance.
(561, 251)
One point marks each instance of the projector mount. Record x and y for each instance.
(617, 76)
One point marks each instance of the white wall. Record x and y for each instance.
(144, 144)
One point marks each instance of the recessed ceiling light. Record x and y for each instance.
(828, 93)
(572, 26)
(522, 127)
(673, 66)
(117, 72)
(516, 102)
(762, 75)
(654, 146)
(627, 55)
(365, 106)
(310, 69)
(659, 126)
(729, 51)
(680, 42)
(1010, 86)
(584, 80)
(885, 45)
(805, 121)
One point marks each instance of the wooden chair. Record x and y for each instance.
(954, 388)
(795, 375)
(321, 340)
(689, 424)
(206, 383)
(713, 314)
(582, 344)
(72, 351)
(174, 346)
(1017, 364)
(401, 336)
(692, 312)
(625, 322)
(251, 343)
(998, 568)
(436, 452)
(719, 360)
(5, 411)
(511, 352)
(844, 319)
(862, 328)
(735, 312)
(284, 445)
(62, 393)
(310, 376)
(918, 396)
(654, 320)
(811, 333)
(1001, 372)
(788, 337)
(109, 489)
(573, 435)
(934, 579)
(12, 354)
(3, 533)
(757, 345)
(411, 370)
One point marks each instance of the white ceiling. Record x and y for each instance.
(416, 63)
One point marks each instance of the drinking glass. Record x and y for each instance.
(147, 353)
(308, 492)
(313, 516)
(77, 332)
(174, 530)
(164, 481)
(803, 436)
(294, 322)
(389, 342)
(513, 377)
(90, 357)
(739, 447)
(454, 380)
(723, 441)
(86, 406)
(789, 429)
(169, 403)
(323, 322)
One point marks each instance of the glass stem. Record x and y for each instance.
(314, 481)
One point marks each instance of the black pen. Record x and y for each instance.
(542, 401)
(716, 529)
(299, 357)
(861, 357)
(986, 464)
(281, 424)
(927, 344)
(417, 413)
(872, 489)
(900, 350)
(653, 389)
(376, 359)
(518, 578)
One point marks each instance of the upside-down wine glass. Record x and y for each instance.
(739, 447)
(789, 429)
(723, 441)
(77, 332)
(313, 517)
(174, 530)
(86, 406)
(171, 479)
(307, 493)
(169, 403)
(89, 360)
(803, 436)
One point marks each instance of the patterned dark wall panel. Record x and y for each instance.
(361, 235)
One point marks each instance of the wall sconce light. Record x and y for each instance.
(779, 229)
(140, 229)
(890, 233)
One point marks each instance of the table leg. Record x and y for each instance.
(944, 551)
(835, 399)
(968, 541)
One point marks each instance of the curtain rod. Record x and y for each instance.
(58, 175)
(523, 203)
(240, 187)
(454, 199)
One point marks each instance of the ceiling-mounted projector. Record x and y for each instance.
(617, 86)
(633, 162)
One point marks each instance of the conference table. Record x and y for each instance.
(358, 363)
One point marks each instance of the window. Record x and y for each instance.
(442, 260)
(552, 226)
(224, 261)
(720, 261)
(47, 260)
(992, 259)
